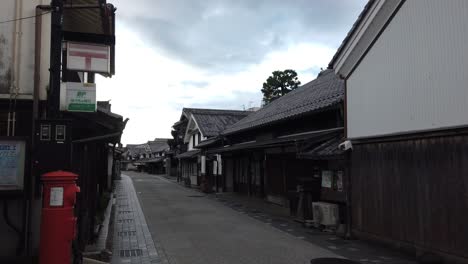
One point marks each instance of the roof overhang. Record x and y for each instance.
(318, 135)
(189, 154)
(209, 143)
(364, 33)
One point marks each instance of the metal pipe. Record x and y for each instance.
(81, 6)
(35, 116)
(18, 48)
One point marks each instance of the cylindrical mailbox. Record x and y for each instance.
(58, 222)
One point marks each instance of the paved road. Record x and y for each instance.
(190, 228)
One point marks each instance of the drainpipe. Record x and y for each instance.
(348, 195)
(13, 65)
(37, 79)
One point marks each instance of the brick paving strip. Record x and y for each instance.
(132, 241)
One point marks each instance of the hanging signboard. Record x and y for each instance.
(78, 97)
(12, 164)
(87, 57)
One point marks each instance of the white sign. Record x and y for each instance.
(87, 57)
(327, 179)
(78, 97)
(56, 196)
(12, 158)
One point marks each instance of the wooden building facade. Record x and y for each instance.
(290, 144)
(404, 65)
(194, 127)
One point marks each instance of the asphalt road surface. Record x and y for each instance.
(189, 228)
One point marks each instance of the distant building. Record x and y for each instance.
(195, 126)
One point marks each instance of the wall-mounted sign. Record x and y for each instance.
(339, 181)
(86, 57)
(327, 179)
(12, 163)
(78, 97)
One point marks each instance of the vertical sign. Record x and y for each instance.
(327, 179)
(12, 161)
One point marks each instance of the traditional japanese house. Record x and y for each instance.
(199, 125)
(155, 162)
(289, 142)
(404, 64)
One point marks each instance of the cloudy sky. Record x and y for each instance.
(172, 54)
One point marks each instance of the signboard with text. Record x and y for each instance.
(78, 97)
(12, 164)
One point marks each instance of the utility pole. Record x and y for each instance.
(53, 97)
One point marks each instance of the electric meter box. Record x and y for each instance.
(52, 150)
(12, 164)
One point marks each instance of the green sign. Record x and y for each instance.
(80, 97)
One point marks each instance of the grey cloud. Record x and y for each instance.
(227, 36)
(238, 100)
(196, 84)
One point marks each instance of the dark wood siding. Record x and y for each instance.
(413, 191)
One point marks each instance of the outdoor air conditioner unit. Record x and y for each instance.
(326, 214)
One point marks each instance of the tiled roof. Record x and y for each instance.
(212, 122)
(325, 91)
(356, 24)
(158, 144)
(188, 154)
(137, 149)
(208, 142)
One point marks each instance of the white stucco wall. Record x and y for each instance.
(415, 76)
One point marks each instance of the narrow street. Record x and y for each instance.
(189, 228)
(156, 220)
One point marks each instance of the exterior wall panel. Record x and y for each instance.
(17, 48)
(413, 192)
(415, 77)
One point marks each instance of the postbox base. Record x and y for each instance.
(57, 234)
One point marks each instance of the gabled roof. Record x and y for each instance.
(211, 122)
(158, 144)
(325, 91)
(137, 149)
(355, 26)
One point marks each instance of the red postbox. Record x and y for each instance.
(58, 222)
